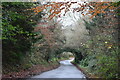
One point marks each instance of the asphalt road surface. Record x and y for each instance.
(66, 70)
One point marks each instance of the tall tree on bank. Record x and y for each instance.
(17, 30)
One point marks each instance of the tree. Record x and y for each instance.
(102, 49)
(17, 30)
(93, 8)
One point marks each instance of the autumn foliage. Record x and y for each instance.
(55, 8)
(28, 41)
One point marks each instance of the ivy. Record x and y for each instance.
(17, 30)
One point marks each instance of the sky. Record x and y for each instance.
(70, 18)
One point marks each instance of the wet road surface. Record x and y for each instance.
(66, 70)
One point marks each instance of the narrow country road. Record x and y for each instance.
(66, 70)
